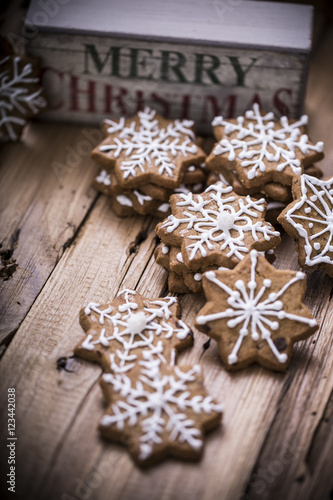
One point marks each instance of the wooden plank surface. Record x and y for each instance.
(43, 201)
(276, 437)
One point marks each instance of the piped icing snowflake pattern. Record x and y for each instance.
(142, 145)
(118, 333)
(20, 95)
(256, 308)
(159, 409)
(218, 219)
(260, 140)
(312, 218)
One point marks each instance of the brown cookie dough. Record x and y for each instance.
(262, 149)
(158, 410)
(149, 149)
(309, 221)
(216, 227)
(120, 332)
(255, 313)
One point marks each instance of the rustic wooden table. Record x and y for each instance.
(63, 247)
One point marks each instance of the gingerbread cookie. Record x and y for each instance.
(149, 149)
(119, 332)
(21, 94)
(181, 279)
(262, 149)
(123, 206)
(106, 182)
(255, 313)
(216, 227)
(158, 410)
(309, 221)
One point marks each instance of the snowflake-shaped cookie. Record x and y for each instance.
(262, 149)
(158, 410)
(119, 332)
(148, 148)
(216, 227)
(255, 312)
(21, 95)
(309, 220)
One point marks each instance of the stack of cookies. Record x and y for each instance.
(144, 160)
(211, 230)
(260, 155)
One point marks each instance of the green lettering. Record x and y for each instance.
(175, 65)
(240, 72)
(99, 63)
(201, 67)
(136, 63)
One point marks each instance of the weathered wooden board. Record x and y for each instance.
(186, 59)
(276, 438)
(43, 201)
(58, 411)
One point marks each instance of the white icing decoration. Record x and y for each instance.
(251, 312)
(184, 189)
(160, 401)
(124, 200)
(276, 145)
(142, 197)
(180, 257)
(15, 96)
(164, 207)
(104, 178)
(135, 329)
(317, 201)
(165, 249)
(272, 205)
(220, 222)
(148, 145)
(197, 276)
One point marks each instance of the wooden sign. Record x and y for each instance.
(185, 59)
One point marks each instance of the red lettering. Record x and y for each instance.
(227, 108)
(281, 106)
(255, 99)
(185, 107)
(118, 99)
(75, 91)
(163, 103)
(139, 101)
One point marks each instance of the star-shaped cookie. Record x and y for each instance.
(119, 332)
(309, 221)
(148, 149)
(255, 313)
(216, 227)
(262, 149)
(158, 410)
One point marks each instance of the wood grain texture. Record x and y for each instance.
(291, 449)
(42, 205)
(276, 437)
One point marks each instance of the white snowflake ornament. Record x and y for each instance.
(158, 410)
(255, 312)
(120, 332)
(261, 149)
